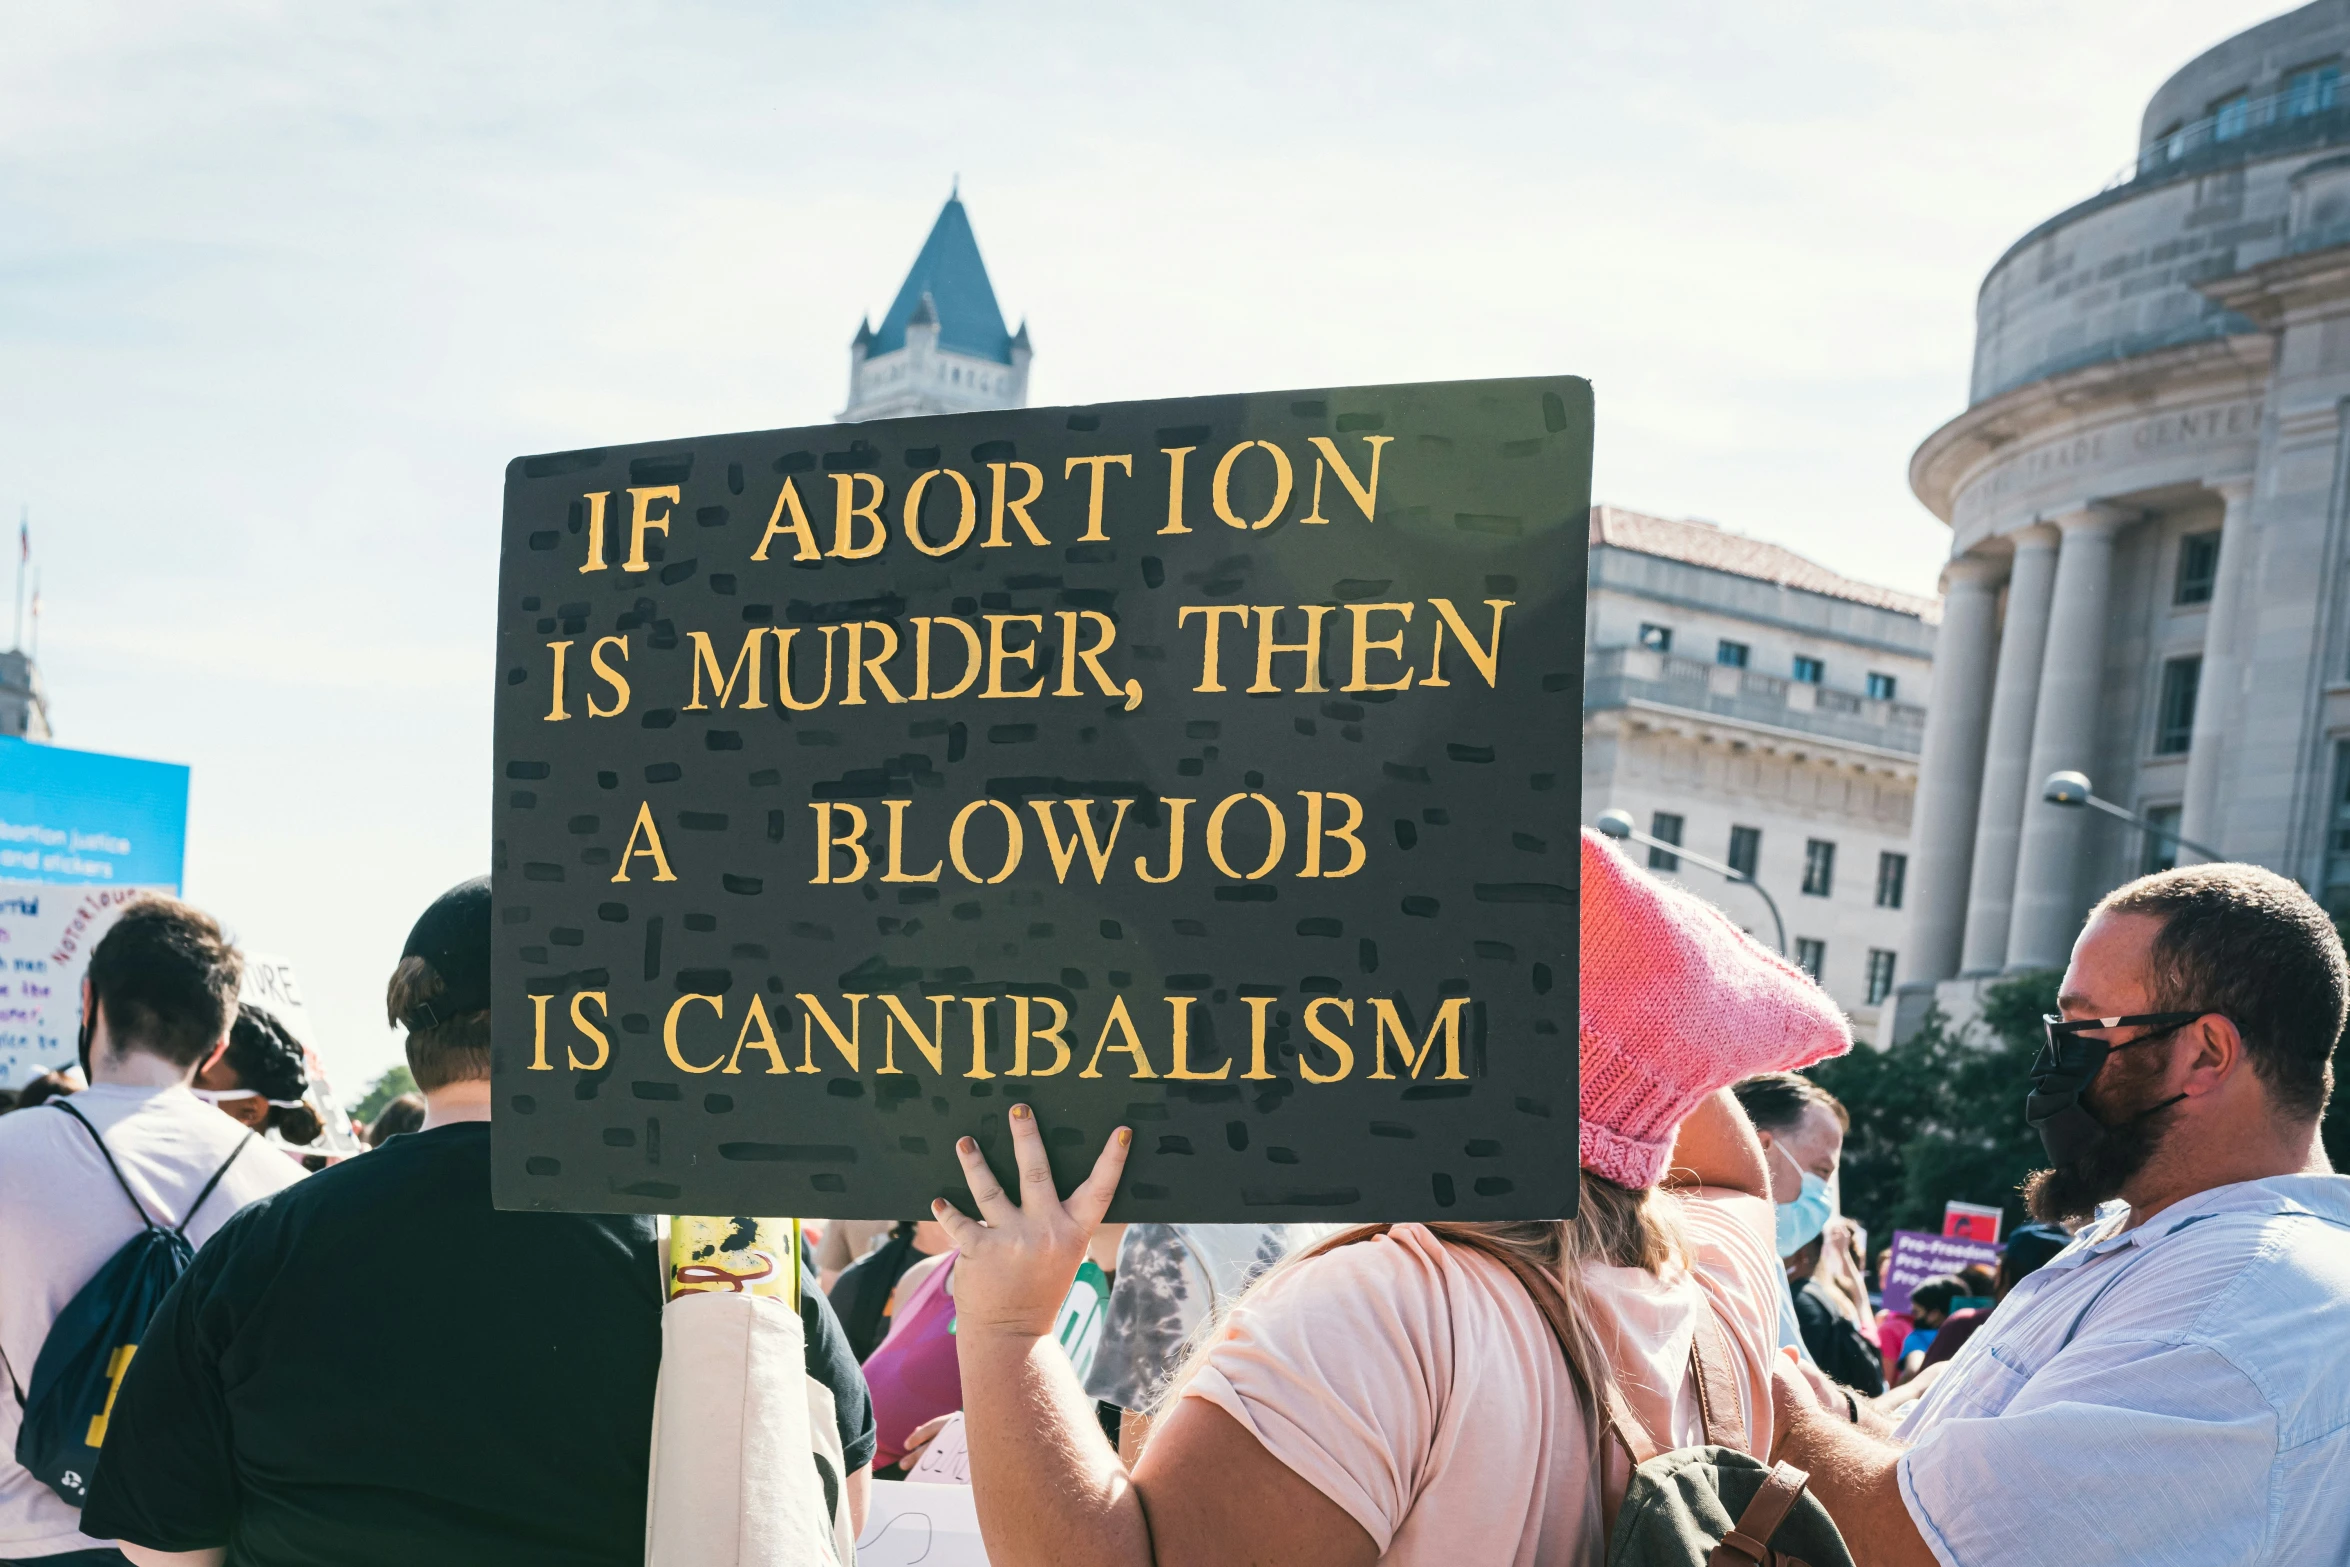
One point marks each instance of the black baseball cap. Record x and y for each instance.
(453, 935)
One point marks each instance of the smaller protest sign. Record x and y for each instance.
(909, 1521)
(1918, 1256)
(46, 933)
(1971, 1221)
(271, 984)
(947, 1460)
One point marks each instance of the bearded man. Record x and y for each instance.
(2172, 1388)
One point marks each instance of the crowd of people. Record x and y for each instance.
(370, 1363)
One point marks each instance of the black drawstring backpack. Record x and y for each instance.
(89, 1347)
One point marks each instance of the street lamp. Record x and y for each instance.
(2073, 789)
(1618, 825)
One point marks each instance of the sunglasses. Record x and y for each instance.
(2069, 1051)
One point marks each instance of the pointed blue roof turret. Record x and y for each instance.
(949, 278)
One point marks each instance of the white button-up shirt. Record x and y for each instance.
(2177, 1393)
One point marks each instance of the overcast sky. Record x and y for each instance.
(285, 287)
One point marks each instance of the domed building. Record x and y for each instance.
(2149, 538)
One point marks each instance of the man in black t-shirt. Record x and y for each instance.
(389, 1370)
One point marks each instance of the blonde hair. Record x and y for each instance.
(457, 1051)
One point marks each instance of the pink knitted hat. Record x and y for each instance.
(1677, 1002)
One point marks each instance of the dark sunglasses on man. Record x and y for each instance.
(2069, 1051)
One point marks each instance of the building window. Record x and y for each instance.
(1809, 670)
(1657, 639)
(2231, 116)
(1745, 849)
(2198, 568)
(2162, 850)
(1731, 654)
(1881, 687)
(2337, 893)
(2174, 722)
(1892, 873)
(1811, 957)
(1880, 975)
(1819, 867)
(1665, 825)
(2312, 89)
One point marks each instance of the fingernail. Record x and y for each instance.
(1020, 1112)
(966, 1146)
(1125, 1135)
(938, 1205)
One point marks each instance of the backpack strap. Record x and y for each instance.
(1749, 1538)
(1717, 1388)
(181, 1228)
(107, 1154)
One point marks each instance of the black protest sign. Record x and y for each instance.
(1207, 766)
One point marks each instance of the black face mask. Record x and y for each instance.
(2065, 1068)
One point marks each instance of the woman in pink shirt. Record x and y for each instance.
(1398, 1396)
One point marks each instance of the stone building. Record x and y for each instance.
(24, 706)
(1751, 705)
(2149, 539)
(942, 347)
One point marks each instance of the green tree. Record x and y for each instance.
(1941, 1114)
(382, 1092)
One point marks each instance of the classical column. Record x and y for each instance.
(2007, 751)
(2216, 692)
(2064, 736)
(1950, 767)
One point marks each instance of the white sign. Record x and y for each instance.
(271, 985)
(909, 1523)
(46, 933)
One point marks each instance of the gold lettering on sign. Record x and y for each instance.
(1181, 1007)
(783, 671)
(1447, 1023)
(587, 1030)
(1122, 1023)
(933, 1045)
(848, 510)
(897, 846)
(813, 1016)
(1175, 809)
(764, 1040)
(556, 713)
(538, 1034)
(1093, 506)
(669, 1043)
(1365, 645)
(972, 660)
(651, 835)
(615, 679)
(787, 504)
(1023, 1031)
(706, 659)
(1001, 505)
(595, 530)
(1322, 1033)
(1257, 1006)
(1311, 647)
(1209, 674)
(1175, 456)
(1365, 496)
(1014, 841)
(827, 840)
(912, 513)
(641, 521)
(1279, 835)
(1220, 492)
(1486, 659)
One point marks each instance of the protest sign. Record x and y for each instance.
(1918, 1256)
(46, 933)
(1205, 766)
(917, 1523)
(1971, 1221)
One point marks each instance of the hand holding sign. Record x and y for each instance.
(1013, 1271)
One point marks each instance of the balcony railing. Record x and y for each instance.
(1618, 675)
(2310, 109)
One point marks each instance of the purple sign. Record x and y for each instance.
(1919, 1256)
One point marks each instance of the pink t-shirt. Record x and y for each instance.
(1420, 1389)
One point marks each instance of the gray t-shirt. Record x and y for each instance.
(1172, 1280)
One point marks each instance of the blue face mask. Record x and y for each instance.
(1802, 1220)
